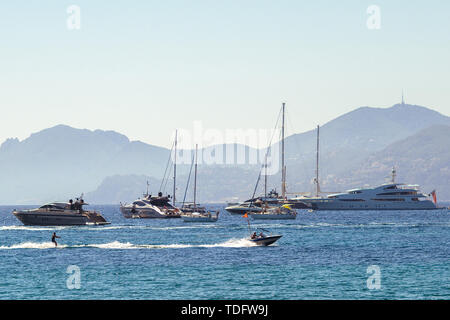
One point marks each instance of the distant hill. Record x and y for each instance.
(210, 188)
(346, 143)
(351, 137)
(62, 162)
(423, 158)
(122, 188)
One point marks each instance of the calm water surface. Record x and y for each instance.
(322, 255)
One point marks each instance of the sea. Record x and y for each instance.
(321, 255)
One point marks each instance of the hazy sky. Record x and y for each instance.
(144, 68)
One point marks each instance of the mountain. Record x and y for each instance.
(348, 140)
(62, 162)
(423, 158)
(210, 188)
(346, 143)
(123, 188)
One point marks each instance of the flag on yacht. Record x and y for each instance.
(433, 194)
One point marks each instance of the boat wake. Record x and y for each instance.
(116, 245)
(34, 245)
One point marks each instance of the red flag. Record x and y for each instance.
(433, 193)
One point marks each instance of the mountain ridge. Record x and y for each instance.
(61, 161)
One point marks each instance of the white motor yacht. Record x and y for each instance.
(150, 207)
(393, 196)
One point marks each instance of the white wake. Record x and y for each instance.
(117, 245)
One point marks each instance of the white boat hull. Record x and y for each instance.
(198, 219)
(372, 205)
(271, 216)
(145, 214)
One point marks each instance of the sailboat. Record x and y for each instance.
(192, 212)
(318, 196)
(283, 210)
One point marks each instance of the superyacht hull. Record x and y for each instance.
(56, 219)
(371, 206)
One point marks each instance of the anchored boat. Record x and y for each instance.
(389, 196)
(150, 207)
(192, 212)
(281, 209)
(155, 207)
(60, 214)
(285, 212)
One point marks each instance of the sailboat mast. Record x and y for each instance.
(317, 163)
(283, 168)
(175, 169)
(265, 178)
(394, 174)
(195, 177)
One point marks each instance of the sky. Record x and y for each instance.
(145, 68)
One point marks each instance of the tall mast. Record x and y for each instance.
(394, 174)
(317, 163)
(175, 169)
(283, 168)
(195, 177)
(265, 178)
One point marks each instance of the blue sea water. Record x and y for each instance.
(322, 255)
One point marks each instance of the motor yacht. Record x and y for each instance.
(391, 196)
(60, 214)
(150, 207)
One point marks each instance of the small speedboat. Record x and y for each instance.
(60, 214)
(261, 239)
(265, 240)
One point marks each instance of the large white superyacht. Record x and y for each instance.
(389, 196)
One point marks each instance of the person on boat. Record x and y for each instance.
(72, 207)
(261, 235)
(54, 236)
(253, 235)
(76, 205)
(79, 205)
